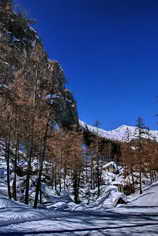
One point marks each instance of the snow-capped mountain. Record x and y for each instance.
(122, 133)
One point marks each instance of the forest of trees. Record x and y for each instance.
(139, 157)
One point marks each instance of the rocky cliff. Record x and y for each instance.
(21, 50)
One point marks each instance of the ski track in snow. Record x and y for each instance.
(126, 220)
(137, 218)
(109, 223)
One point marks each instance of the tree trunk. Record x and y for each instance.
(7, 155)
(140, 182)
(15, 169)
(28, 175)
(76, 183)
(38, 185)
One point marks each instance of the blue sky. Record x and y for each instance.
(109, 52)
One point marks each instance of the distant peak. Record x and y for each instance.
(119, 133)
(124, 127)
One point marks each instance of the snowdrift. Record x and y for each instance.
(7, 203)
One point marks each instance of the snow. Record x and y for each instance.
(4, 85)
(139, 217)
(119, 221)
(148, 198)
(111, 163)
(6, 203)
(33, 30)
(119, 134)
(61, 216)
(108, 200)
(54, 201)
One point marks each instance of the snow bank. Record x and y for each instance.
(53, 200)
(7, 203)
(149, 198)
(109, 199)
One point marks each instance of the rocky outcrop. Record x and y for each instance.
(21, 51)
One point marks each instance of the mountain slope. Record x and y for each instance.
(22, 55)
(122, 133)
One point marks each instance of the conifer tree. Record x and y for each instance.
(140, 132)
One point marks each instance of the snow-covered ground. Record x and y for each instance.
(63, 217)
(139, 217)
(119, 134)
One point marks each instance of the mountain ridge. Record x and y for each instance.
(122, 133)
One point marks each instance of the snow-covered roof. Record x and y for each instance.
(111, 163)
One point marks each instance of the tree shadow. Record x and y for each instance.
(113, 221)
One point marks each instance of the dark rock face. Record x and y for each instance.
(63, 101)
(21, 51)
